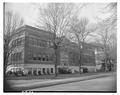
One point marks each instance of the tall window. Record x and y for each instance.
(32, 41)
(51, 70)
(39, 57)
(43, 58)
(35, 42)
(30, 54)
(47, 58)
(43, 70)
(39, 44)
(16, 56)
(34, 57)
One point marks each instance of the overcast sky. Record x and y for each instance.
(29, 11)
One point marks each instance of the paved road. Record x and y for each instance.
(99, 84)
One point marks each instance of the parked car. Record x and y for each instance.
(64, 70)
(15, 71)
(20, 73)
(10, 73)
(83, 70)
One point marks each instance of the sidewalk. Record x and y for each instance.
(38, 84)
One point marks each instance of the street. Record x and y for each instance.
(98, 84)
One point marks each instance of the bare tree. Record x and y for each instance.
(105, 38)
(55, 18)
(112, 8)
(11, 23)
(113, 46)
(80, 30)
(107, 31)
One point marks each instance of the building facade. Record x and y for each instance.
(31, 50)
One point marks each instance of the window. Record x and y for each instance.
(43, 70)
(17, 42)
(21, 33)
(39, 43)
(16, 56)
(12, 57)
(35, 42)
(51, 70)
(35, 72)
(43, 43)
(21, 41)
(43, 58)
(32, 41)
(50, 43)
(47, 58)
(30, 54)
(48, 71)
(39, 57)
(51, 57)
(65, 64)
(34, 57)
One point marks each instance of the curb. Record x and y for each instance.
(23, 87)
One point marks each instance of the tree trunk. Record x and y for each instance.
(80, 64)
(80, 68)
(5, 61)
(56, 61)
(80, 60)
(105, 64)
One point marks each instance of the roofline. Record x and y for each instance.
(41, 30)
(31, 27)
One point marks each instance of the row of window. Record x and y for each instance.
(38, 42)
(85, 58)
(74, 57)
(16, 56)
(17, 42)
(41, 57)
(88, 59)
(18, 34)
(49, 70)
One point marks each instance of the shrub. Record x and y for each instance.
(10, 73)
(85, 70)
(75, 71)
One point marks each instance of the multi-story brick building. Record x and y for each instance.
(71, 52)
(31, 50)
